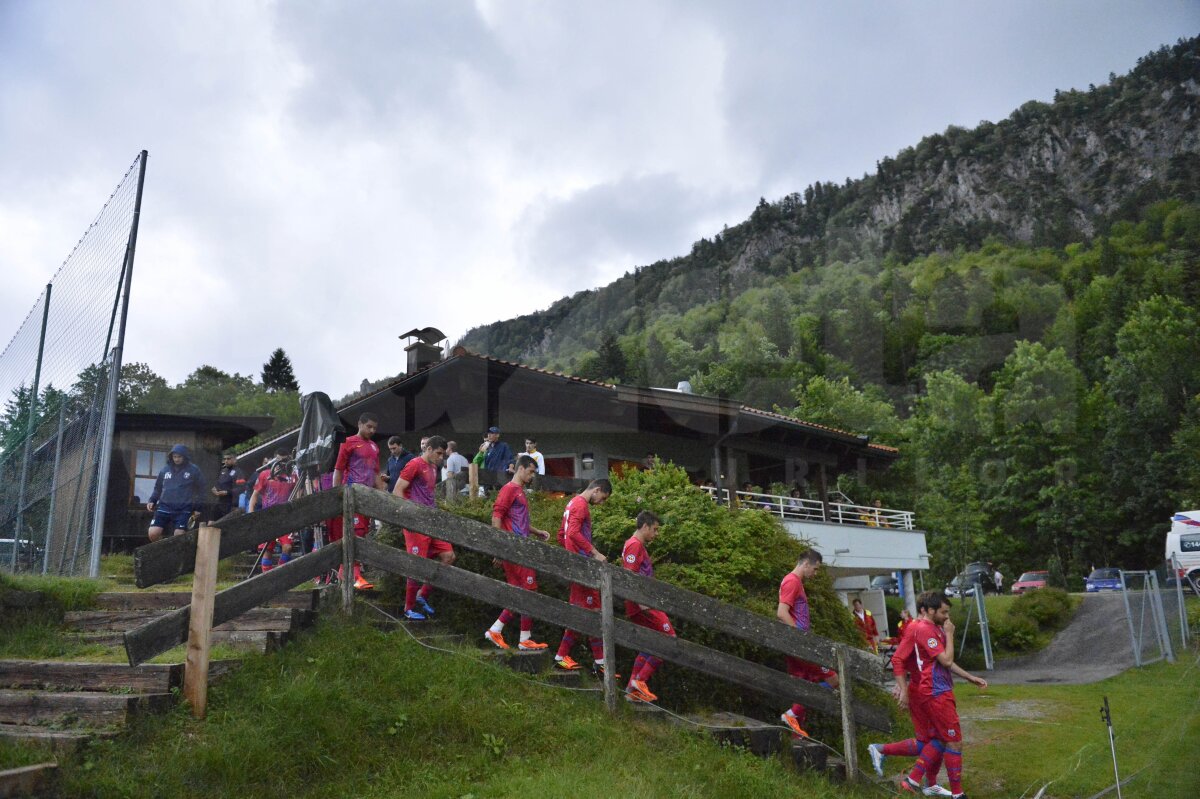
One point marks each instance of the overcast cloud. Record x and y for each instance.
(325, 175)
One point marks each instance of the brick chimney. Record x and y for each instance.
(426, 350)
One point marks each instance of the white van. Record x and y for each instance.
(1183, 543)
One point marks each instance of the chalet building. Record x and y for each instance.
(587, 429)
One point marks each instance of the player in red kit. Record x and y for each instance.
(635, 558)
(931, 639)
(357, 464)
(793, 610)
(417, 482)
(511, 514)
(273, 487)
(575, 534)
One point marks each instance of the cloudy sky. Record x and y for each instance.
(326, 175)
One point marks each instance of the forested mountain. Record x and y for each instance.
(1013, 305)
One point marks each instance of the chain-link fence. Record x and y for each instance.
(1172, 586)
(60, 400)
(1147, 621)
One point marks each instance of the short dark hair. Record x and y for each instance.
(363, 418)
(395, 440)
(602, 484)
(531, 440)
(282, 452)
(435, 442)
(647, 517)
(931, 600)
(856, 601)
(524, 462)
(811, 555)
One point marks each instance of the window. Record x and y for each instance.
(560, 466)
(147, 463)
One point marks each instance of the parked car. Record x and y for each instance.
(954, 587)
(1031, 580)
(887, 584)
(1104, 580)
(980, 572)
(28, 553)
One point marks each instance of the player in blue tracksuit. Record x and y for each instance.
(178, 493)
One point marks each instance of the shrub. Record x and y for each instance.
(1048, 608)
(1014, 633)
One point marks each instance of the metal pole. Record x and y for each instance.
(30, 426)
(115, 382)
(1133, 641)
(1160, 618)
(1179, 578)
(62, 410)
(984, 632)
(1106, 715)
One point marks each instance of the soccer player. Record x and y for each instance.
(417, 482)
(177, 494)
(274, 487)
(575, 534)
(357, 464)
(793, 610)
(932, 641)
(635, 558)
(511, 514)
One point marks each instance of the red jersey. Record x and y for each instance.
(512, 509)
(421, 477)
(791, 593)
(635, 557)
(929, 640)
(903, 659)
(575, 532)
(273, 491)
(358, 461)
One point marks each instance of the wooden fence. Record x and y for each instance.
(165, 560)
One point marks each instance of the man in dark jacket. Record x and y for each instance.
(231, 482)
(178, 493)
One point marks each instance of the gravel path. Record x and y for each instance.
(1093, 647)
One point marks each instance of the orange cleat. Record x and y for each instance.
(530, 645)
(566, 664)
(362, 585)
(497, 639)
(794, 725)
(642, 691)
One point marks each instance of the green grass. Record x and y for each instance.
(351, 711)
(1019, 738)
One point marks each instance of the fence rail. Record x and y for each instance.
(169, 558)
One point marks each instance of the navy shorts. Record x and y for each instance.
(171, 519)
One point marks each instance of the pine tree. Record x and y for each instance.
(277, 374)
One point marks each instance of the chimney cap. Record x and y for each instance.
(426, 335)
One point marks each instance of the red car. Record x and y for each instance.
(1030, 580)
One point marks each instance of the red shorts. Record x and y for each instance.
(651, 619)
(361, 527)
(283, 541)
(943, 718)
(520, 576)
(808, 671)
(920, 718)
(423, 546)
(584, 597)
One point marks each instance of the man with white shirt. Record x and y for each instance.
(532, 451)
(455, 463)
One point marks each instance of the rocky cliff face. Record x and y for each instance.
(1048, 175)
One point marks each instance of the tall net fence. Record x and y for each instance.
(1172, 588)
(1145, 616)
(55, 379)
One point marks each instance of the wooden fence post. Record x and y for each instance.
(849, 739)
(608, 636)
(347, 577)
(204, 590)
(473, 480)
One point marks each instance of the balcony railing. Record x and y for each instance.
(812, 510)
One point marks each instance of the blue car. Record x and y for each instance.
(1104, 580)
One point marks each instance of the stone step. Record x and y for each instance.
(61, 741)
(39, 779)
(524, 662)
(79, 708)
(306, 599)
(277, 619)
(146, 678)
(732, 729)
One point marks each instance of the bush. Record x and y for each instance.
(1048, 608)
(1014, 633)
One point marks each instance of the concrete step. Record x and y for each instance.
(78, 708)
(525, 662)
(146, 678)
(38, 780)
(260, 641)
(732, 729)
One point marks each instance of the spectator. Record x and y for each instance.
(398, 459)
(231, 484)
(998, 578)
(794, 505)
(532, 451)
(497, 455)
(865, 623)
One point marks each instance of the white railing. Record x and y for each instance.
(811, 510)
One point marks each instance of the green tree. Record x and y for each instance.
(839, 404)
(277, 374)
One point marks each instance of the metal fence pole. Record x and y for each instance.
(115, 381)
(984, 631)
(1160, 618)
(62, 411)
(30, 428)
(1179, 578)
(1133, 639)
